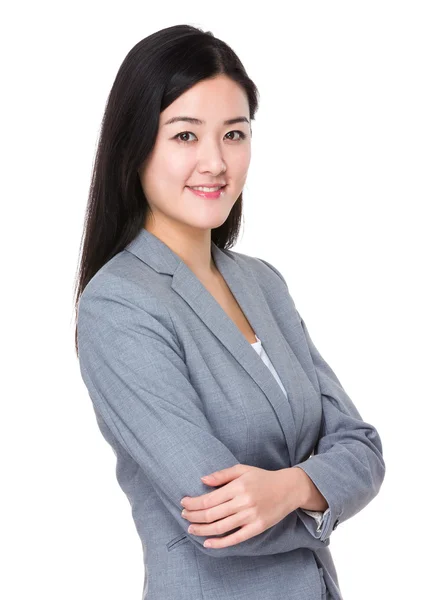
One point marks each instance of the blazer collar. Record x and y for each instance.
(243, 284)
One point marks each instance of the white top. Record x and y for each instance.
(258, 347)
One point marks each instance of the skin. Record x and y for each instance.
(186, 154)
(251, 498)
(209, 153)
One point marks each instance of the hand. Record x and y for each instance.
(253, 499)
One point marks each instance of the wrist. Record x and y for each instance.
(310, 497)
(304, 491)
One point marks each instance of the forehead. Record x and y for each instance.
(211, 101)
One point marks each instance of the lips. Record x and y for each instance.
(215, 193)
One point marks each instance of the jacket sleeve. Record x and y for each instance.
(347, 465)
(318, 516)
(134, 370)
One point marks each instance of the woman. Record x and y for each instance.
(195, 357)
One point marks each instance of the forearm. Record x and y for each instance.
(295, 531)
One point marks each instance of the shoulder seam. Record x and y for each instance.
(274, 270)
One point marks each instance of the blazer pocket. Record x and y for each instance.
(322, 583)
(177, 541)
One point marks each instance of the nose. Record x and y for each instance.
(211, 158)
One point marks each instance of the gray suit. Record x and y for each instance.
(178, 392)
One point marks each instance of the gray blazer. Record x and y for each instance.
(178, 392)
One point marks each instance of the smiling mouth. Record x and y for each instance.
(212, 193)
(207, 188)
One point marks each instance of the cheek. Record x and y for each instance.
(174, 168)
(164, 177)
(240, 164)
(168, 161)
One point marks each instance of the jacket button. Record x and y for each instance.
(335, 525)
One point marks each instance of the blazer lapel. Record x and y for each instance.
(247, 292)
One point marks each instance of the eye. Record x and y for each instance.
(177, 136)
(242, 135)
(179, 139)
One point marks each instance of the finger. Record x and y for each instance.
(224, 474)
(244, 533)
(218, 527)
(211, 514)
(209, 480)
(208, 500)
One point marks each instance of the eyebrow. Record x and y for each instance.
(195, 121)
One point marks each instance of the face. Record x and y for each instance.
(191, 154)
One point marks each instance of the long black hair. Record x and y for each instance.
(155, 72)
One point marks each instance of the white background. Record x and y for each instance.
(334, 199)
